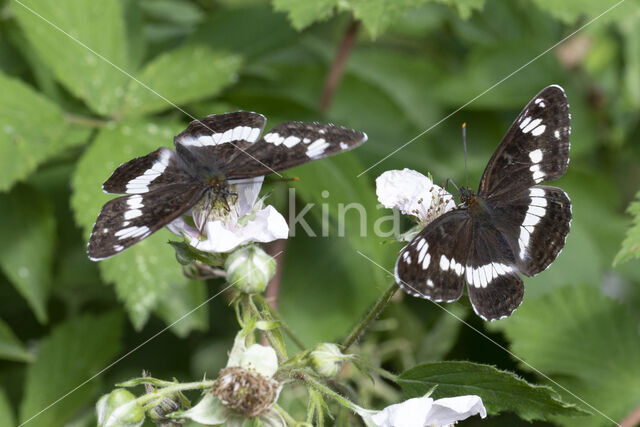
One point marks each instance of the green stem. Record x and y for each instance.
(169, 390)
(85, 121)
(274, 313)
(288, 418)
(320, 387)
(375, 311)
(277, 346)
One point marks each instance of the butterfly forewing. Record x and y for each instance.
(291, 144)
(432, 264)
(126, 220)
(144, 174)
(535, 148)
(210, 145)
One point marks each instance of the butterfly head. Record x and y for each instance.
(466, 196)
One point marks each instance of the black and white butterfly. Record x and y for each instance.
(512, 226)
(165, 184)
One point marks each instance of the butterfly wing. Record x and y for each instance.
(432, 265)
(535, 148)
(144, 174)
(536, 221)
(126, 220)
(291, 144)
(209, 146)
(494, 286)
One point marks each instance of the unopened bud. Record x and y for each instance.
(119, 408)
(327, 359)
(249, 269)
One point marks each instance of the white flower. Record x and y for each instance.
(413, 194)
(244, 389)
(235, 221)
(424, 411)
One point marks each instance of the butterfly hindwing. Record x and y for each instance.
(291, 144)
(432, 265)
(535, 148)
(494, 286)
(538, 220)
(127, 220)
(147, 173)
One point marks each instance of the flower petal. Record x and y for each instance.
(209, 411)
(237, 351)
(261, 358)
(267, 225)
(452, 409)
(410, 413)
(247, 191)
(412, 193)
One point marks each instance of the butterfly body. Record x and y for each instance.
(512, 225)
(210, 155)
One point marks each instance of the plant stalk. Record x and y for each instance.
(375, 311)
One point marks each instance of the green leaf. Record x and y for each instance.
(28, 227)
(177, 307)
(376, 15)
(6, 411)
(585, 341)
(500, 390)
(98, 26)
(10, 347)
(144, 272)
(570, 11)
(464, 7)
(303, 14)
(631, 244)
(74, 352)
(189, 73)
(24, 145)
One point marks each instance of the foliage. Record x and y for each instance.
(631, 244)
(499, 390)
(89, 85)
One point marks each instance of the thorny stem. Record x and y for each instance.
(288, 418)
(375, 311)
(276, 316)
(320, 387)
(272, 340)
(169, 390)
(337, 68)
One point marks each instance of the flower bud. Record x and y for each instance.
(119, 408)
(250, 269)
(327, 359)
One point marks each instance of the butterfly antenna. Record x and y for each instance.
(450, 181)
(464, 143)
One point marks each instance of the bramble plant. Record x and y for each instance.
(276, 303)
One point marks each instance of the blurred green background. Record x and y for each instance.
(74, 106)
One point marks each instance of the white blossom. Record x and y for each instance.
(425, 411)
(258, 361)
(233, 221)
(414, 194)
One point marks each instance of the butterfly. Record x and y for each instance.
(512, 225)
(209, 154)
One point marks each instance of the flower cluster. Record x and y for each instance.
(413, 194)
